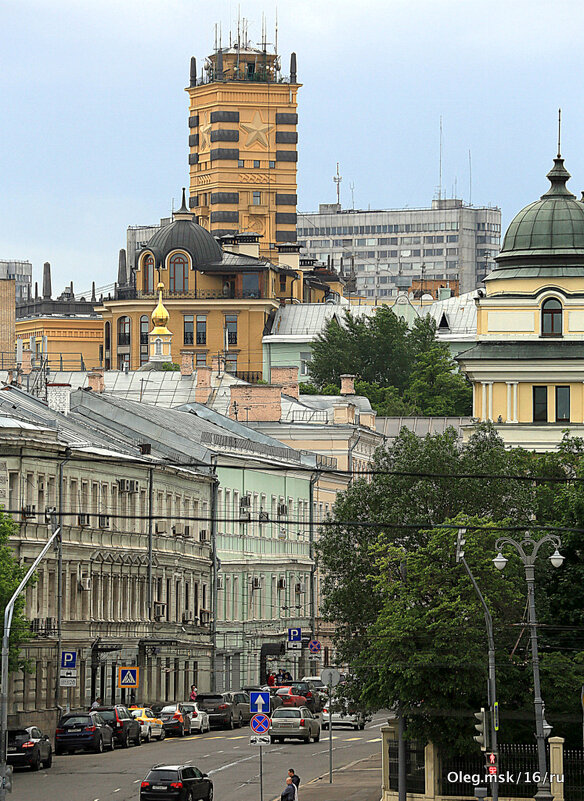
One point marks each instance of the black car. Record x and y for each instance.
(180, 782)
(176, 719)
(29, 747)
(126, 729)
(220, 708)
(87, 730)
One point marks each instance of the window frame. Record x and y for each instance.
(557, 390)
(552, 316)
(538, 404)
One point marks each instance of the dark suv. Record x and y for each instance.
(179, 782)
(220, 708)
(126, 729)
(29, 747)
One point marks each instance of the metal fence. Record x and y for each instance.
(517, 762)
(573, 774)
(415, 766)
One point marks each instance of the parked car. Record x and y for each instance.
(199, 718)
(125, 728)
(241, 706)
(176, 719)
(29, 747)
(87, 730)
(298, 724)
(289, 697)
(343, 715)
(219, 707)
(150, 725)
(179, 782)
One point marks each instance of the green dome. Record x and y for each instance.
(549, 230)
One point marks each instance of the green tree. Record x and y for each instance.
(435, 386)
(11, 574)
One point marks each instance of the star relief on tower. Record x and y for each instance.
(256, 130)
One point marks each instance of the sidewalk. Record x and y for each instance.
(358, 781)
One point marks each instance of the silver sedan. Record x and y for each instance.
(298, 724)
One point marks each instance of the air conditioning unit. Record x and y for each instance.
(263, 517)
(83, 519)
(29, 511)
(220, 583)
(298, 588)
(205, 617)
(187, 617)
(244, 516)
(159, 611)
(282, 510)
(256, 583)
(281, 584)
(160, 527)
(203, 535)
(103, 521)
(85, 582)
(245, 502)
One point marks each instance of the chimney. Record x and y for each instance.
(289, 256)
(293, 68)
(203, 387)
(36, 290)
(347, 384)
(255, 403)
(193, 71)
(93, 299)
(122, 274)
(248, 245)
(343, 413)
(95, 380)
(26, 366)
(287, 377)
(59, 397)
(47, 291)
(186, 362)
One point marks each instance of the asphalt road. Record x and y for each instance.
(226, 756)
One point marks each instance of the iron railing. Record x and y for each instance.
(415, 766)
(573, 774)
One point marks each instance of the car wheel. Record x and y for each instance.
(112, 745)
(138, 740)
(317, 737)
(49, 760)
(162, 735)
(361, 726)
(239, 721)
(231, 724)
(126, 741)
(148, 737)
(36, 763)
(99, 746)
(356, 727)
(210, 794)
(325, 726)
(181, 732)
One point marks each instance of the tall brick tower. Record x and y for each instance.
(243, 144)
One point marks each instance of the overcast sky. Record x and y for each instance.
(94, 134)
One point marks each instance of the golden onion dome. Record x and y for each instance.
(160, 315)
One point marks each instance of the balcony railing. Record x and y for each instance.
(129, 293)
(201, 338)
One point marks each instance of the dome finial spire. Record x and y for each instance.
(559, 133)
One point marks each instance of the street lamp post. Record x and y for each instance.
(528, 549)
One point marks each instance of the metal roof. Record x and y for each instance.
(421, 426)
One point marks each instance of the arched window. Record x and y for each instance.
(148, 268)
(123, 331)
(178, 273)
(144, 328)
(158, 346)
(551, 318)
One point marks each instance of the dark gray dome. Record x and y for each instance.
(188, 236)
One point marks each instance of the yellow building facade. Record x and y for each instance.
(527, 367)
(243, 145)
(68, 342)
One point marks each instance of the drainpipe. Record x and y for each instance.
(150, 513)
(214, 573)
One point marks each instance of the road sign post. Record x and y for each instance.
(331, 678)
(260, 724)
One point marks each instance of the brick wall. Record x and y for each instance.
(255, 402)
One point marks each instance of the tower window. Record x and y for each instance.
(240, 163)
(540, 410)
(272, 165)
(148, 266)
(257, 198)
(256, 164)
(188, 332)
(551, 318)
(178, 273)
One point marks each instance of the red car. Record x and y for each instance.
(290, 698)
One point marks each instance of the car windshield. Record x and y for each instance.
(137, 713)
(76, 720)
(18, 735)
(286, 713)
(162, 775)
(171, 708)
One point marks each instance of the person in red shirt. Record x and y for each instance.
(271, 680)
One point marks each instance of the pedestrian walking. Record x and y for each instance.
(193, 695)
(271, 680)
(96, 703)
(289, 793)
(295, 777)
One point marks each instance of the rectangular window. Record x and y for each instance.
(240, 163)
(272, 165)
(257, 198)
(562, 404)
(231, 328)
(231, 363)
(201, 360)
(188, 329)
(201, 330)
(540, 412)
(256, 164)
(250, 285)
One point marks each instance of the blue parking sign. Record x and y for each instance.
(294, 635)
(69, 659)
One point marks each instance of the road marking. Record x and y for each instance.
(351, 739)
(375, 740)
(217, 737)
(231, 764)
(136, 781)
(239, 737)
(118, 790)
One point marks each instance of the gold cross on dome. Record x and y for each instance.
(256, 131)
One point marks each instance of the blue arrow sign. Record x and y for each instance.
(259, 702)
(260, 724)
(294, 635)
(69, 659)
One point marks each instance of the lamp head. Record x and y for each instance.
(557, 559)
(547, 729)
(500, 561)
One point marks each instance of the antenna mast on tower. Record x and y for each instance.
(559, 133)
(440, 166)
(337, 179)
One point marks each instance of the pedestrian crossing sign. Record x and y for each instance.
(128, 677)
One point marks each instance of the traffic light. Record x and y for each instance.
(460, 543)
(482, 738)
